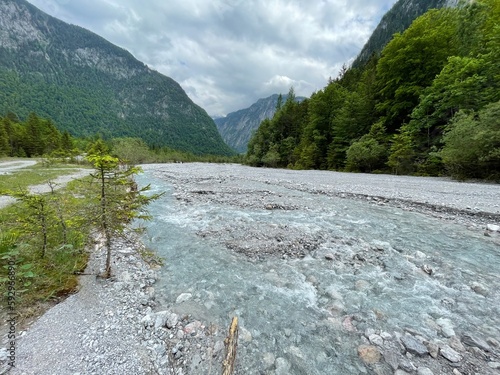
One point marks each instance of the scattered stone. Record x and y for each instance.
(413, 346)
(282, 366)
(493, 227)
(433, 349)
(385, 335)
(329, 256)
(424, 371)
(362, 285)
(369, 354)
(244, 334)
(456, 372)
(420, 255)
(427, 269)
(172, 320)
(391, 358)
(493, 342)
(268, 360)
(456, 344)
(183, 297)
(479, 289)
(401, 372)
(450, 354)
(446, 327)
(161, 319)
(407, 365)
(376, 340)
(3, 354)
(494, 365)
(478, 342)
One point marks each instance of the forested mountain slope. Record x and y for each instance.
(87, 85)
(429, 105)
(237, 127)
(396, 20)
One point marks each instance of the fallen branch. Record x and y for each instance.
(231, 342)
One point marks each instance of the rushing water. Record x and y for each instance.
(305, 314)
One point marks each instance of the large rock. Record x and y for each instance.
(413, 346)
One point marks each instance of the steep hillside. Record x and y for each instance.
(237, 127)
(396, 20)
(88, 85)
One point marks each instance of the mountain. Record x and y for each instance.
(237, 127)
(87, 85)
(396, 20)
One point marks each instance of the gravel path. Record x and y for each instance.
(113, 326)
(59, 182)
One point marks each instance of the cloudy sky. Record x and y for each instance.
(226, 54)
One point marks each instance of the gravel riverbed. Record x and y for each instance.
(119, 326)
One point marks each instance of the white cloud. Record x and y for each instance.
(226, 54)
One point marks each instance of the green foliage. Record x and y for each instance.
(396, 20)
(87, 86)
(410, 62)
(472, 144)
(34, 137)
(119, 199)
(391, 113)
(369, 153)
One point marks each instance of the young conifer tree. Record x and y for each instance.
(120, 200)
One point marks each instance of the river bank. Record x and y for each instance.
(137, 323)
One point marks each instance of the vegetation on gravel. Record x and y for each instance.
(44, 238)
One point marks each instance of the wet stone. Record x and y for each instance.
(450, 354)
(433, 349)
(424, 371)
(391, 358)
(494, 365)
(413, 346)
(478, 342)
(376, 340)
(369, 354)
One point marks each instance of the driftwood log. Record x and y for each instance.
(231, 342)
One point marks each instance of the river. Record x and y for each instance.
(312, 276)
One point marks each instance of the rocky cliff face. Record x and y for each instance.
(238, 127)
(88, 85)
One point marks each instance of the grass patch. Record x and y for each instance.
(53, 275)
(38, 174)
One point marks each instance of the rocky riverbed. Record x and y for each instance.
(328, 272)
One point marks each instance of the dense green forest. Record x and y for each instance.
(427, 105)
(397, 19)
(34, 137)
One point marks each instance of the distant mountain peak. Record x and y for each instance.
(237, 127)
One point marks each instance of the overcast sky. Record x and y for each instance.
(226, 54)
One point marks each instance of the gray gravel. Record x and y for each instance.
(111, 326)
